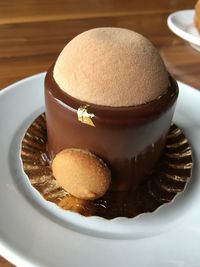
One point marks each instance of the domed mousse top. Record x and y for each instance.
(111, 67)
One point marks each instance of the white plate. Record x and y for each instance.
(182, 24)
(34, 232)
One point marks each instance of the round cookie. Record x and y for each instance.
(81, 173)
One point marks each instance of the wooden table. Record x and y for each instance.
(33, 32)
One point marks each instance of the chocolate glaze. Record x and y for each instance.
(129, 139)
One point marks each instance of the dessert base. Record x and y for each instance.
(170, 177)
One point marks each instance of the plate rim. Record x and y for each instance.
(180, 32)
(12, 255)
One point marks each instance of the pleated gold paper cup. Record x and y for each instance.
(168, 179)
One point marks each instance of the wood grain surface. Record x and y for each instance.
(33, 32)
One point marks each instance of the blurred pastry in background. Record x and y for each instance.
(197, 15)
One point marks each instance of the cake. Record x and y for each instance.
(197, 15)
(109, 96)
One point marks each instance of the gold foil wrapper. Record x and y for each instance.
(170, 178)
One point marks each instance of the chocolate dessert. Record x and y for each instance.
(110, 96)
